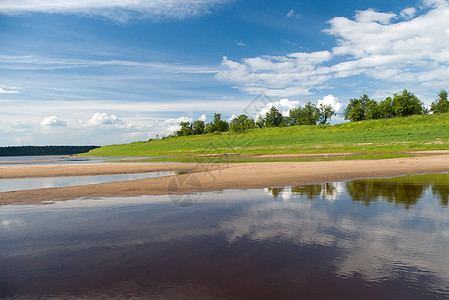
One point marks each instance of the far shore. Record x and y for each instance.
(210, 177)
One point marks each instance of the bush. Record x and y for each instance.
(441, 105)
(407, 104)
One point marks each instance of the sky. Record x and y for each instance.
(98, 72)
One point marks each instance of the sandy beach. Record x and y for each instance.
(209, 177)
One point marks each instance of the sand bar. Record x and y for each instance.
(209, 177)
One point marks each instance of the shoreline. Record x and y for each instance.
(210, 176)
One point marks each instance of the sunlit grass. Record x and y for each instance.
(414, 133)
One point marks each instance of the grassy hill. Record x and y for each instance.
(426, 132)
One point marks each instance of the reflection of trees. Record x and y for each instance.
(398, 192)
(406, 190)
(311, 191)
(275, 191)
(441, 191)
(401, 190)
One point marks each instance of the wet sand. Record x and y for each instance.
(209, 177)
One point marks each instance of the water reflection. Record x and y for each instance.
(7, 185)
(315, 241)
(403, 191)
(328, 191)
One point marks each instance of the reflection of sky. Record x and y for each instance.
(7, 185)
(375, 240)
(378, 242)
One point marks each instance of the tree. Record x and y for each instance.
(260, 123)
(372, 111)
(309, 115)
(326, 113)
(361, 109)
(274, 118)
(186, 129)
(242, 123)
(217, 124)
(407, 104)
(198, 127)
(386, 108)
(441, 105)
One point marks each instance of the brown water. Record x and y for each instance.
(374, 239)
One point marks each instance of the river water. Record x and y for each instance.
(374, 239)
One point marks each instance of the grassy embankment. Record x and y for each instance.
(385, 138)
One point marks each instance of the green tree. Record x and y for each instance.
(186, 129)
(441, 105)
(386, 108)
(260, 123)
(242, 123)
(326, 113)
(217, 124)
(407, 104)
(372, 111)
(361, 109)
(309, 115)
(274, 118)
(198, 127)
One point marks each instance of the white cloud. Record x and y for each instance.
(172, 125)
(202, 117)
(333, 101)
(292, 14)
(283, 105)
(411, 52)
(53, 121)
(31, 62)
(118, 10)
(104, 119)
(232, 118)
(371, 16)
(294, 74)
(408, 13)
(241, 44)
(7, 91)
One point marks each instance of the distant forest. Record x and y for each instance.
(43, 150)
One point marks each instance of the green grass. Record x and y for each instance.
(230, 159)
(377, 137)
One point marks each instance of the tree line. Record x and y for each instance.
(399, 105)
(364, 108)
(310, 114)
(43, 150)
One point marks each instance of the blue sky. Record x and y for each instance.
(105, 72)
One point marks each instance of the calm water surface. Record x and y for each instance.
(58, 159)
(374, 239)
(7, 185)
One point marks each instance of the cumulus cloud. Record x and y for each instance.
(282, 76)
(118, 10)
(374, 44)
(332, 101)
(104, 119)
(53, 121)
(408, 13)
(172, 125)
(202, 117)
(283, 105)
(232, 118)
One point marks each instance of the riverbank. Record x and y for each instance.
(210, 177)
